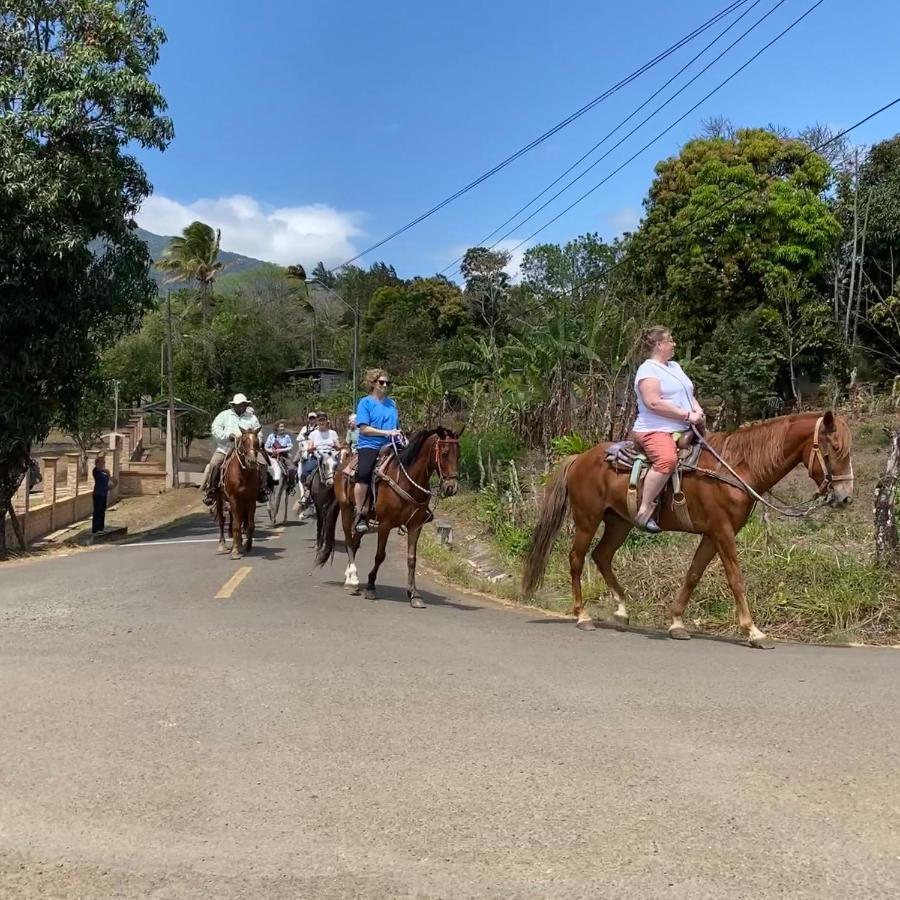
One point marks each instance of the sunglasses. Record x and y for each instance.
(384, 383)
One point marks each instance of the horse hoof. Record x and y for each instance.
(355, 590)
(586, 625)
(235, 555)
(679, 634)
(622, 622)
(370, 594)
(416, 602)
(761, 643)
(222, 549)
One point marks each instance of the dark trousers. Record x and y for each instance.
(99, 520)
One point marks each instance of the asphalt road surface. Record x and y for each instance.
(288, 740)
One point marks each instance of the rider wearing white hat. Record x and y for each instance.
(226, 426)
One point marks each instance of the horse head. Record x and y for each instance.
(446, 459)
(329, 460)
(247, 445)
(826, 456)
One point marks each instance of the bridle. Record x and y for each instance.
(436, 460)
(327, 477)
(437, 456)
(240, 452)
(821, 441)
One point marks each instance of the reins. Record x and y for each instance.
(800, 510)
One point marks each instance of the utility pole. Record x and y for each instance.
(355, 350)
(116, 403)
(171, 454)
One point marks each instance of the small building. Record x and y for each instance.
(320, 379)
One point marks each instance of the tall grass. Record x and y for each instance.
(813, 579)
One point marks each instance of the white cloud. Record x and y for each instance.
(292, 234)
(625, 219)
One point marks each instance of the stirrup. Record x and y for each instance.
(361, 524)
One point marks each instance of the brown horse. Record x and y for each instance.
(239, 487)
(402, 502)
(761, 454)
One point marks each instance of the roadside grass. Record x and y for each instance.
(812, 579)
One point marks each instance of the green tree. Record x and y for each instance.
(487, 289)
(724, 216)
(194, 256)
(86, 421)
(323, 276)
(414, 325)
(75, 91)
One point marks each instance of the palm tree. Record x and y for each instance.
(195, 257)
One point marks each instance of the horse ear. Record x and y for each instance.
(459, 433)
(244, 431)
(828, 423)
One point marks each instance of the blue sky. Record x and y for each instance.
(310, 130)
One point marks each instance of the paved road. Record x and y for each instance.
(293, 741)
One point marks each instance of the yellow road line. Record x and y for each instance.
(231, 585)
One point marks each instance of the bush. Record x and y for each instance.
(571, 444)
(497, 448)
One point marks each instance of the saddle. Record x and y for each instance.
(349, 467)
(379, 475)
(627, 456)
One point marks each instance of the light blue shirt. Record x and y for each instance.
(228, 424)
(283, 441)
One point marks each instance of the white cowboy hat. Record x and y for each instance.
(239, 398)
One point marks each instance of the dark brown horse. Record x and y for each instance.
(761, 454)
(238, 488)
(402, 502)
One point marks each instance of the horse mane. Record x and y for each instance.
(760, 445)
(417, 441)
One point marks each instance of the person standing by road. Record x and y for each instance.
(103, 483)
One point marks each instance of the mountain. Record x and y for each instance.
(232, 263)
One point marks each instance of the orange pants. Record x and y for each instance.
(660, 449)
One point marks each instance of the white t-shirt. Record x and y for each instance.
(676, 387)
(324, 440)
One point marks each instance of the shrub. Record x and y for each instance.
(497, 448)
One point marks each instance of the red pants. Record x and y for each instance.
(660, 449)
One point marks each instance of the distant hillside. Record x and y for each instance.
(232, 263)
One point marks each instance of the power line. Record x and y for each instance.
(548, 134)
(669, 127)
(610, 133)
(725, 203)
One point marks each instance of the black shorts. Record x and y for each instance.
(365, 464)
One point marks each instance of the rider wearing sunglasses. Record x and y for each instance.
(378, 421)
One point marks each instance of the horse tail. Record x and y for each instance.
(556, 506)
(330, 516)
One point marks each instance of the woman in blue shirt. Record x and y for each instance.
(378, 421)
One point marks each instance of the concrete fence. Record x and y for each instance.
(67, 489)
(66, 496)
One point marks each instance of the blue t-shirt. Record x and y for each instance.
(377, 414)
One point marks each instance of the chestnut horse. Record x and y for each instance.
(761, 454)
(402, 502)
(239, 487)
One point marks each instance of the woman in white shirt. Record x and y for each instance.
(666, 408)
(322, 440)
